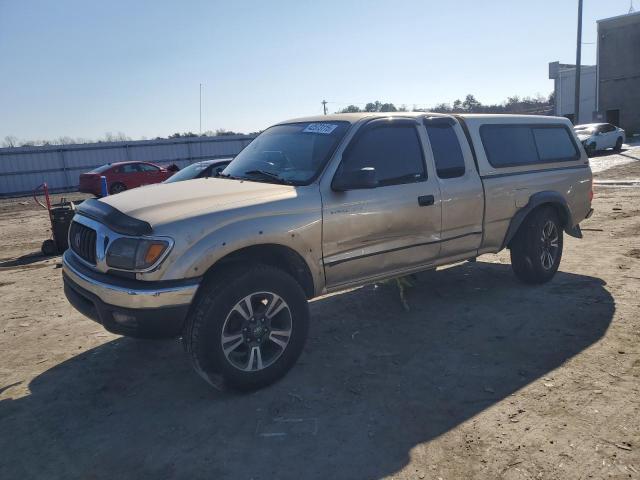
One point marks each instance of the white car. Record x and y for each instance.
(600, 136)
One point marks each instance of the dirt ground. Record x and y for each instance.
(483, 378)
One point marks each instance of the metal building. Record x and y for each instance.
(24, 168)
(564, 76)
(619, 71)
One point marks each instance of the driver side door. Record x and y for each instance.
(609, 134)
(374, 232)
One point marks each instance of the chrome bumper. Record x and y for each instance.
(121, 295)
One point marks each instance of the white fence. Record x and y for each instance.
(24, 168)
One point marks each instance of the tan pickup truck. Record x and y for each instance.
(316, 205)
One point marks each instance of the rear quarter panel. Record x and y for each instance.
(509, 189)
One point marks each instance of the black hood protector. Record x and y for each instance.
(114, 219)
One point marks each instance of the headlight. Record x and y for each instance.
(135, 253)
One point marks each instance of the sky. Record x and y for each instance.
(81, 68)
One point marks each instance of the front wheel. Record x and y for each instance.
(248, 325)
(117, 188)
(536, 250)
(618, 146)
(590, 149)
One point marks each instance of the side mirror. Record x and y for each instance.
(354, 180)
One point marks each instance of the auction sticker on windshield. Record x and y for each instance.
(322, 128)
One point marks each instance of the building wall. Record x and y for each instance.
(24, 168)
(619, 69)
(565, 87)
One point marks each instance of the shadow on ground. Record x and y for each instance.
(608, 152)
(374, 382)
(25, 260)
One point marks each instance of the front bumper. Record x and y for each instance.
(129, 307)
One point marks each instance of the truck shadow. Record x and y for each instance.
(25, 260)
(374, 382)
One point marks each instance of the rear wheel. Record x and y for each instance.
(248, 325)
(117, 188)
(618, 146)
(536, 250)
(49, 248)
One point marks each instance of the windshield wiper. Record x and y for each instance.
(226, 175)
(270, 175)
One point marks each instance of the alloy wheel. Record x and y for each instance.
(549, 238)
(256, 331)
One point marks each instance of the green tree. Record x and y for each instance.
(441, 108)
(470, 104)
(378, 106)
(350, 109)
(388, 107)
(373, 106)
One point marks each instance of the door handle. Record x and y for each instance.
(426, 200)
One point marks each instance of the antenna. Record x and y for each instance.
(200, 109)
(631, 9)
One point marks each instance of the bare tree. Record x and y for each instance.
(121, 137)
(65, 141)
(10, 141)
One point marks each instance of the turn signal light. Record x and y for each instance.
(153, 253)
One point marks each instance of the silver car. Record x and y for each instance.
(202, 169)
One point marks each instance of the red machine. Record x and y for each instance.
(60, 216)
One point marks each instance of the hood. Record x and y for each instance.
(163, 203)
(583, 136)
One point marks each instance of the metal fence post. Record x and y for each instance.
(65, 170)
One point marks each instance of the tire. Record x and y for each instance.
(536, 249)
(618, 146)
(117, 188)
(49, 248)
(253, 355)
(590, 149)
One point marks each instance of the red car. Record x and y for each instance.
(122, 176)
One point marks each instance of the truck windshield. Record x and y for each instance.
(293, 153)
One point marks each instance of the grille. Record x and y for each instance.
(83, 241)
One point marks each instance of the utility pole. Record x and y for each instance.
(324, 105)
(200, 109)
(576, 119)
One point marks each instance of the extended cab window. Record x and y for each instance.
(516, 145)
(447, 152)
(554, 144)
(394, 151)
